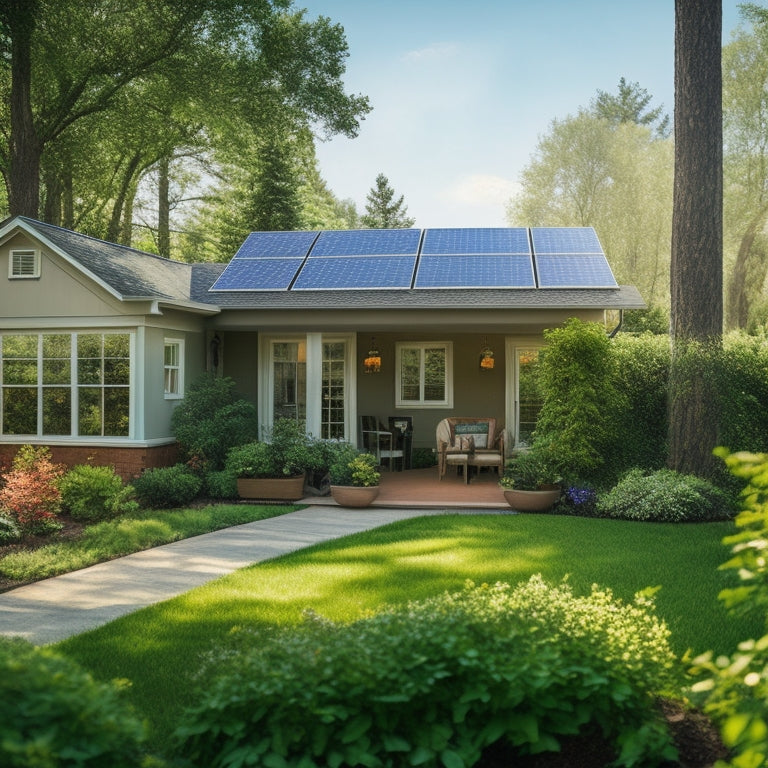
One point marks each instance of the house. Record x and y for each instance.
(98, 341)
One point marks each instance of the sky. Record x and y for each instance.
(462, 91)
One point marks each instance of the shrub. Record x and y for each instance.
(30, 494)
(167, 487)
(211, 419)
(665, 496)
(423, 458)
(52, 713)
(250, 460)
(95, 493)
(220, 485)
(9, 530)
(340, 470)
(434, 682)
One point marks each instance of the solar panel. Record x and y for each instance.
(257, 275)
(565, 240)
(476, 240)
(475, 272)
(367, 242)
(265, 245)
(574, 271)
(356, 272)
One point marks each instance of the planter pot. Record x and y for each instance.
(273, 488)
(354, 495)
(531, 501)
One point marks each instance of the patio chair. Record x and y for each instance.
(469, 442)
(379, 441)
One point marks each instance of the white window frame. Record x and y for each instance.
(17, 264)
(447, 402)
(178, 393)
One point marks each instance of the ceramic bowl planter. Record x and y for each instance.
(354, 495)
(531, 501)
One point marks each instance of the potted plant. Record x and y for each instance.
(354, 478)
(274, 468)
(530, 483)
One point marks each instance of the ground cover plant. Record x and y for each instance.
(158, 648)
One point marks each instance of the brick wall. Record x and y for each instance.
(128, 462)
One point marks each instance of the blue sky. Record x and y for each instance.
(461, 91)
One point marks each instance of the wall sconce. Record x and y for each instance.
(372, 362)
(486, 357)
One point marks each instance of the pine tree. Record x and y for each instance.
(382, 211)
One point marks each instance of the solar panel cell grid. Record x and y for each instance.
(257, 275)
(574, 271)
(548, 240)
(475, 272)
(265, 245)
(476, 241)
(367, 242)
(362, 272)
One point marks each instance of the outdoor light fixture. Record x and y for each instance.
(372, 362)
(486, 357)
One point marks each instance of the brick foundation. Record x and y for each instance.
(128, 462)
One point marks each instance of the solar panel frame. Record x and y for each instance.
(565, 240)
(366, 243)
(356, 273)
(459, 241)
(574, 271)
(258, 275)
(268, 245)
(475, 271)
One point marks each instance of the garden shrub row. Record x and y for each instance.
(437, 681)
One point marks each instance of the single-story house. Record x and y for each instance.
(99, 341)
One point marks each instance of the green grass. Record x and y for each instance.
(158, 648)
(133, 533)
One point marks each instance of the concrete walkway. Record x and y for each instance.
(54, 609)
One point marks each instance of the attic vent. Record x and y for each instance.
(25, 264)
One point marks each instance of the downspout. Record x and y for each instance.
(618, 326)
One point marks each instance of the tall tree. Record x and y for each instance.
(382, 210)
(696, 274)
(631, 105)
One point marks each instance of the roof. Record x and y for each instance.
(131, 274)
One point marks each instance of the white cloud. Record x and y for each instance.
(434, 52)
(481, 190)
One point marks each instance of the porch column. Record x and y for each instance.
(314, 383)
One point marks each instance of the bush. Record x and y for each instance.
(52, 713)
(9, 530)
(30, 494)
(167, 487)
(434, 682)
(95, 493)
(665, 496)
(220, 485)
(423, 458)
(340, 470)
(211, 419)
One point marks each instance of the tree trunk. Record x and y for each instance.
(126, 183)
(25, 147)
(696, 275)
(737, 313)
(164, 209)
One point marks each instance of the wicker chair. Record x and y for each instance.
(469, 442)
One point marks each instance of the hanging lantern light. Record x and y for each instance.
(372, 362)
(486, 357)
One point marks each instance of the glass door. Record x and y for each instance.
(529, 394)
(289, 380)
(333, 417)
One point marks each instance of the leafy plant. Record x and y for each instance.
(529, 470)
(95, 493)
(52, 713)
(167, 487)
(434, 682)
(30, 494)
(364, 472)
(251, 460)
(340, 471)
(9, 530)
(211, 419)
(665, 496)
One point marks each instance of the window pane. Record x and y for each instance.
(20, 411)
(56, 371)
(434, 374)
(116, 411)
(90, 411)
(19, 346)
(117, 345)
(57, 345)
(20, 372)
(171, 354)
(89, 345)
(530, 396)
(57, 411)
(410, 367)
(171, 381)
(116, 371)
(89, 371)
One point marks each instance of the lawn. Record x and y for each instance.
(159, 648)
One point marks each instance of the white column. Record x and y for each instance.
(314, 383)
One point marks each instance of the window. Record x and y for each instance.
(173, 368)
(24, 264)
(65, 384)
(530, 396)
(424, 374)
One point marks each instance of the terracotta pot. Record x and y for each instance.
(354, 495)
(531, 501)
(274, 488)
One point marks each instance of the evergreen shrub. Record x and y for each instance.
(167, 487)
(52, 713)
(435, 682)
(665, 496)
(220, 485)
(95, 493)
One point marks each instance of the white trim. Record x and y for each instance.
(178, 393)
(22, 274)
(447, 402)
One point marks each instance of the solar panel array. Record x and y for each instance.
(401, 259)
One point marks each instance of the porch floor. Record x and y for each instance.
(421, 488)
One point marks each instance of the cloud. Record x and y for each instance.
(434, 52)
(481, 190)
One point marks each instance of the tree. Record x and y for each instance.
(382, 211)
(631, 106)
(696, 274)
